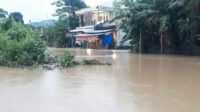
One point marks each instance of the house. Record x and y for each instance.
(95, 29)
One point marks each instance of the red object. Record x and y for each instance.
(87, 38)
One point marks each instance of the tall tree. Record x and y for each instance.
(57, 34)
(66, 10)
(3, 13)
(17, 16)
(164, 24)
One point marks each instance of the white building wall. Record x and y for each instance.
(120, 35)
(111, 15)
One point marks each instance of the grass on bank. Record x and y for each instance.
(67, 60)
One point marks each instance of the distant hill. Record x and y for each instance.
(44, 23)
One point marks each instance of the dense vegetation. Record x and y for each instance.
(23, 45)
(66, 10)
(17, 16)
(19, 45)
(57, 34)
(3, 13)
(68, 20)
(67, 60)
(161, 26)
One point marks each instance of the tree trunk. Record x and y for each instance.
(161, 43)
(140, 50)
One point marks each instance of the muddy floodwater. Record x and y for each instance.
(134, 83)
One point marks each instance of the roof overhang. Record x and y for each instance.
(97, 34)
(94, 10)
(90, 31)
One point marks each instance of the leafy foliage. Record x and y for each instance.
(162, 25)
(67, 60)
(17, 16)
(94, 62)
(67, 20)
(66, 11)
(6, 25)
(17, 32)
(68, 7)
(3, 13)
(57, 34)
(20, 46)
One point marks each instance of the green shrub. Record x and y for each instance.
(67, 60)
(17, 32)
(7, 24)
(2, 41)
(91, 62)
(94, 62)
(24, 53)
(57, 34)
(20, 46)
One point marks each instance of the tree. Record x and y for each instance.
(6, 25)
(162, 25)
(66, 10)
(17, 16)
(67, 20)
(19, 45)
(68, 7)
(3, 13)
(57, 34)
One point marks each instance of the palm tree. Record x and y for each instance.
(164, 23)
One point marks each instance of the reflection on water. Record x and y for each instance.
(89, 51)
(134, 83)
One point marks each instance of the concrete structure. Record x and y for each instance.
(94, 22)
(89, 17)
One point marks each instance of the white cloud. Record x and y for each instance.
(34, 10)
(37, 10)
(94, 3)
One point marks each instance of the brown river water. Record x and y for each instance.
(134, 83)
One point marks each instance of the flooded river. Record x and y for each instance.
(134, 83)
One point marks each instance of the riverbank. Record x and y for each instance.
(54, 59)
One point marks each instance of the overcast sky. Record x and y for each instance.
(37, 10)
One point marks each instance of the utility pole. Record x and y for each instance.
(97, 14)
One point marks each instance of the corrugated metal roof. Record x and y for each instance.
(90, 34)
(90, 31)
(97, 31)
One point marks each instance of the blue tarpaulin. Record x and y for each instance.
(108, 39)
